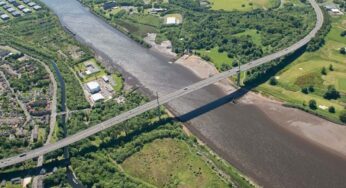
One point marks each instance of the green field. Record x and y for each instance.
(242, 5)
(216, 57)
(171, 162)
(306, 71)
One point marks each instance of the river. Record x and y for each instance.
(242, 134)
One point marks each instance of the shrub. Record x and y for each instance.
(313, 104)
(331, 93)
(343, 116)
(273, 81)
(331, 109)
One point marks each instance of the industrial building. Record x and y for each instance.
(93, 87)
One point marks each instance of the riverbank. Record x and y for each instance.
(319, 131)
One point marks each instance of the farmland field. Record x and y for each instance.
(242, 5)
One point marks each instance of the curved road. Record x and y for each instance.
(165, 99)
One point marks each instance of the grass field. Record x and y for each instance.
(216, 57)
(306, 71)
(242, 5)
(171, 163)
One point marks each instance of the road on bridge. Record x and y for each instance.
(165, 99)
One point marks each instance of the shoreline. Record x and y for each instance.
(318, 131)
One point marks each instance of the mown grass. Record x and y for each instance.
(216, 57)
(170, 162)
(242, 5)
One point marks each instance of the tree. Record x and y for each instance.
(331, 109)
(343, 33)
(324, 71)
(305, 90)
(311, 89)
(331, 68)
(273, 81)
(312, 104)
(331, 93)
(343, 116)
(343, 51)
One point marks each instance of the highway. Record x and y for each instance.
(164, 99)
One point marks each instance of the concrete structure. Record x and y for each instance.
(96, 97)
(93, 87)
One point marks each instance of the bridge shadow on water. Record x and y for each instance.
(230, 98)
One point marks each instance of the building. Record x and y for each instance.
(2, 3)
(26, 10)
(4, 17)
(171, 20)
(96, 97)
(6, 6)
(105, 79)
(93, 87)
(26, 1)
(37, 7)
(109, 5)
(11, 1)
(11, 9)
(21, 7)
(31, 4)
(16, 14)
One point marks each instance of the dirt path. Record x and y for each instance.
(318, 131)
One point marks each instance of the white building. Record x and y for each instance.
(31, 4)
(171, 20)
(37, 7)
(93, 87)
(97, 97)
(105, 78)
(26, 10)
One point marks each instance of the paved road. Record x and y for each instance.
(165, 99)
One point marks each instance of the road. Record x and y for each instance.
(165, 99)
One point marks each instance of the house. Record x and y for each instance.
(93, 87)
(26, 1)
(96, 97)
(1, 13)
(37, 7)
(15, 4)
(31, 4)
(21, 7)
(16, 14)
(26, 10)
(4, 17)
(16, 180)
(11, 9)
(2, 3)
(11, 1)
(109, 5)
(7, 6)
(157, 10)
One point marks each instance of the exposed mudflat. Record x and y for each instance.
(241, 133)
